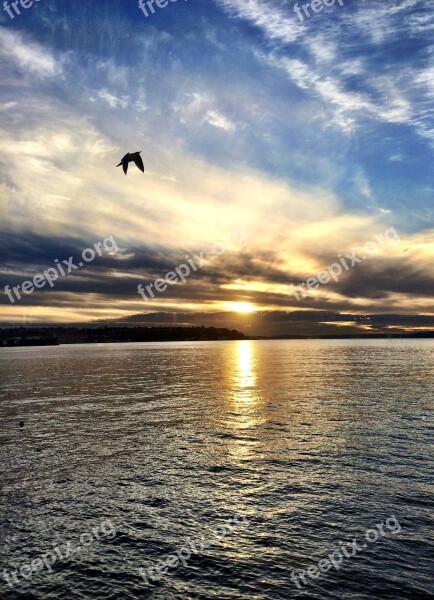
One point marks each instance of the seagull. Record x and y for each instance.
(132, 157)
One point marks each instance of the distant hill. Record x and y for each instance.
(29, 336)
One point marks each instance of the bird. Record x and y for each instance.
(21, 423)
(132, 157)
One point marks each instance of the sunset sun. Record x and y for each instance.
(240, 307)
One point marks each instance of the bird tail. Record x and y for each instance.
(119, 164)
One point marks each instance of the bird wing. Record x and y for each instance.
(139, 163)
(125, 158)
(125, 166)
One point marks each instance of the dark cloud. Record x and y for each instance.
(111, 279)
(377, 277)
(277, 323)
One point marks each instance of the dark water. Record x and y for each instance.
(312, 442)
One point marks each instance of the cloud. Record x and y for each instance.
(29, 57)
(111, 99)
(7, 106)
(297, 322)
(315, 143)
(401, 97)
(276, 24)
(218, 120)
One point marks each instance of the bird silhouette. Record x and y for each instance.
(132, 157)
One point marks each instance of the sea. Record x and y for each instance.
(256, 470)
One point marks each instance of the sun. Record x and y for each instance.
(240, 307)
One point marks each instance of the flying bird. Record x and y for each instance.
(132, 157)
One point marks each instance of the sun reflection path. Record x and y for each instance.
(246, 397)
(245, 378)
(246, 405)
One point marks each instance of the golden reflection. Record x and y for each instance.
(243, 382)
(245, 376)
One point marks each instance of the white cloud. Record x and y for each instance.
(200, 107)
(4, 107)
(216, 119)
(274, 22)
(112, 100)
(377, 21)
(344, 105)
(195, 104)
(363, 185)
(28, 56)
(325, 64)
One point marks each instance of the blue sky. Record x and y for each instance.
(313, 137)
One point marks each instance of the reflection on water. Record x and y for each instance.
(314, 441)
(244, 413)
(244, 373)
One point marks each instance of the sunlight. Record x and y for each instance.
(244, 373)
(240, 307)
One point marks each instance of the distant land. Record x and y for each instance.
(55, 335)
(296, 324)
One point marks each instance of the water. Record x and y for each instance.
(310, 442)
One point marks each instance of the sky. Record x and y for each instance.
(274, 146)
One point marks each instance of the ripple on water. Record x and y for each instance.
(313, 441)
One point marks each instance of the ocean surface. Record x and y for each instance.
(297, 448)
